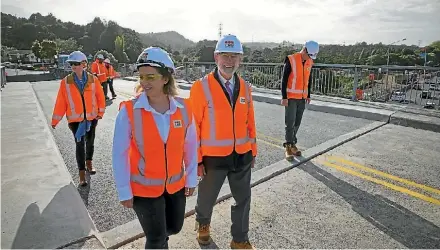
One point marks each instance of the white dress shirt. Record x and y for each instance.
(231, 81)
(121, 144)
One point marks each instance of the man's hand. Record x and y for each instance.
(127, 203)
(284, 102)
(53, 126)
(253, 163)
(189, 191)
(308, 100)
(98, 117)
(201, 170)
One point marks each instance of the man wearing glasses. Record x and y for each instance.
(224, 115)
(295, 90)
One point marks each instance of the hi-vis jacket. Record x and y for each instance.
(100, 70)
(222, 126)
(69, 100)
(110, 71)
(156, 166)
(298, 81)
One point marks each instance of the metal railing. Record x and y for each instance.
(415, 85)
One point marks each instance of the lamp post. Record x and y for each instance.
(388, 62)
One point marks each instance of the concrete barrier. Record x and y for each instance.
(31, 77)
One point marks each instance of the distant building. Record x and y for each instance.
(25, 56)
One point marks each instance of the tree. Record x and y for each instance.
(67, 46)
(36, 48)
(119, 51)
(48, 49)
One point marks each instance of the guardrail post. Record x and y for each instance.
(355, 85)
(186, 71)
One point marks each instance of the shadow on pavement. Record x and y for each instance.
(212, 245)
(84, 191)
(59, 223)
(396, 221)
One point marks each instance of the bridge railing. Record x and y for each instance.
(418, 85)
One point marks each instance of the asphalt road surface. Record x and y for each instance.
(378, 191)
(100, 195)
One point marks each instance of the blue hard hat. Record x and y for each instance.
(229, 44)
(76, 56)
(312, 49)
(155, 57)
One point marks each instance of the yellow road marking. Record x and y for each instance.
(383, 174)
(269, 143)
(270, 138)
(382, 182)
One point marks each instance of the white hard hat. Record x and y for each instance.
(107, 60)
(100, 56)
(155, 57)
(312, 49)
(229, 44)
(76, 56)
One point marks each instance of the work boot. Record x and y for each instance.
(82, 178)
(241, 245)
(90, 168)
(203, 235)
(291, 152)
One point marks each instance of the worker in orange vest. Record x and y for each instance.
(224, 114)
(111, 74)
(99, 70)
(295, 91)
(154, 135)
(78, 91)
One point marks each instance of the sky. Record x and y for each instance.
(325, 21)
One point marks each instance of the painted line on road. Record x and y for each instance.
(383, 174)
(381, 182)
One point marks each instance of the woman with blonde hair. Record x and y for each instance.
(155, 150)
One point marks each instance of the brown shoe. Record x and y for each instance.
(203, 235)
(82, 178)
(295, 151)
(241, 245)
(90, 168)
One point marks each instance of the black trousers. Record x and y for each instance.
(160, 217)
(106, 86)
(292, 117)
(83, 154)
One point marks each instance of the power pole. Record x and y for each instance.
(220, 27)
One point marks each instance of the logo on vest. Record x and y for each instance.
(177, 124)
(242, 100)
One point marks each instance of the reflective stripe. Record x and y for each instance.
(139, 139)
(298, 91)
(101, 110)
(212, 141)
(71, 103)
(294, 72)
(57, 117)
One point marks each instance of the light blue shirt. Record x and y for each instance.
(231, 81)
(121, 144)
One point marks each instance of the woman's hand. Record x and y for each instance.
(189, 191)
(127, 203)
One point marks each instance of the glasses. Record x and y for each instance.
(150, 77)
(232, 56)
(75, 63)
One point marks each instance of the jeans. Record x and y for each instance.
(292, 117)
(83, 154)
(160, 217)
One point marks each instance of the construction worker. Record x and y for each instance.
(111, 74)
(154, 135)
(295, 90)
(99, 70)
(81, 98)
(224, 114)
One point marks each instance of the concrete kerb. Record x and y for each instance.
(94, 233)
(132, 230)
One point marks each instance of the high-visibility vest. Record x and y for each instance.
(100, 70)
(69, 101)
(110, 72)
(298, 81)
(222, 128)
(155, 166)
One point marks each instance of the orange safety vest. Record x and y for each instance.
(222, 128)
(298, 81)
(155, 166)
(110, 72)
(100, 70)
(70, 102)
